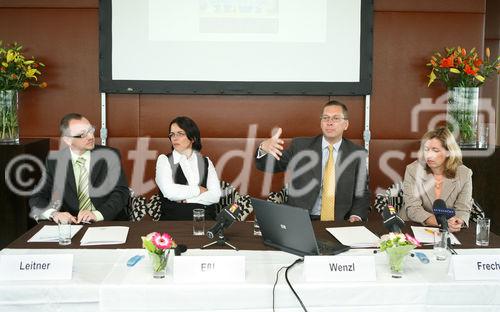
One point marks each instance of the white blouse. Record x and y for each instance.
(190, 192)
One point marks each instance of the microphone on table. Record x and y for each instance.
(442, 213)
(392, 221)
(224, 219)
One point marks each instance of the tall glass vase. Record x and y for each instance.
(9, 127)
(462, 114)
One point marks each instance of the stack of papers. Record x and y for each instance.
(105, 235)
(425, 235)
(355, 236)
(50, 234)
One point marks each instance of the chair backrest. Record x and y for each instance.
(392, 195)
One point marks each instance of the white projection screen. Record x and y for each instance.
(293, 47)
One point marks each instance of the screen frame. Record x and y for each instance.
(108, 85)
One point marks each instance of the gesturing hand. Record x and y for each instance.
(273, 145)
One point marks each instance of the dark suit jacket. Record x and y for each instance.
(351, 195)
(60, 183)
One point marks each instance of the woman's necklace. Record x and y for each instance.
(439, 181)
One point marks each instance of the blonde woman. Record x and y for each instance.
(438, 174)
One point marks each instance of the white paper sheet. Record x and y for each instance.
(105, 235)
(355, 236)
(50, 234)
(425, 235)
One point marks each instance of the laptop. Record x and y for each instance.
(290, 229)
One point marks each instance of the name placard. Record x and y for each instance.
(476, 267)
(339, 268)
(209, 268)
(36, 267)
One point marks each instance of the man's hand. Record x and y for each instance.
(202, 189)
(273, 145)
(62, 216)
(455, 224)
(86, 216)
(354, 218)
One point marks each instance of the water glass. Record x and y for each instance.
(482, 136)
(64, 227)
(256, 228)
(198, 222)
(483, 231)
(441, 250)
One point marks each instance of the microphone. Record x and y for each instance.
(224, 219)
(391, 219)
(442, 213)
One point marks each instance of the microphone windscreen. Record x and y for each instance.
(438, 203)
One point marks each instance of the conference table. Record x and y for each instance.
(102, 281)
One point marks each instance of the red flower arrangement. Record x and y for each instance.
(459, 68)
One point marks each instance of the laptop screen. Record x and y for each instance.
(286, 227)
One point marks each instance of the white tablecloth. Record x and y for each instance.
(102, 281)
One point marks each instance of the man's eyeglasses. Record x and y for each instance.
(179, 134)
(84, 134)
(333, 119)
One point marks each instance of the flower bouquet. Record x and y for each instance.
(397, 246)
(16, 73)
(158, 246)
(462, 73)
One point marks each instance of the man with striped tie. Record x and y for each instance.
(328, 172)
(84, 182)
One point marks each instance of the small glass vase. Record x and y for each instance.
(462, 114)
(9, 126)
(159, 263)
(396, 257)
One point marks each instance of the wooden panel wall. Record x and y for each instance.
(65, 36)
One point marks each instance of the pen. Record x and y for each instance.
(429, 231)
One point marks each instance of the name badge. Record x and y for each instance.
(339, 268)
(36, 267)
(209, 269)
(476, 267)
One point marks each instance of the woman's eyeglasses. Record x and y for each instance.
(179, 134)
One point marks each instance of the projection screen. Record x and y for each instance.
(301, 47)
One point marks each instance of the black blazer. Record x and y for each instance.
(60, 183)
(352, 195)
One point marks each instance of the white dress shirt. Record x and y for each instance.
(190, 192)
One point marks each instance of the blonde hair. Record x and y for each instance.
(453, 161)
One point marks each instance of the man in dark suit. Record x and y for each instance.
(328, 173)
(83, 182)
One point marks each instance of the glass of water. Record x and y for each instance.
(198, 222)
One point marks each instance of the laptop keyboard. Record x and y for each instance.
(329, 248)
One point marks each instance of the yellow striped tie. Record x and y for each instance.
(328, 194)
(83, 186)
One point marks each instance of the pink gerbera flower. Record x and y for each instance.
(162, 241)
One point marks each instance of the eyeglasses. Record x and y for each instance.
(179, 134)
(333, 119)
(84, 134)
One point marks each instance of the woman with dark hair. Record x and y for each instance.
(186, 179)
(438, 174)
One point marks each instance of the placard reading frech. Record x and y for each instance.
(339, 268)
(36, 267)
(209, 268)
(476, 267)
